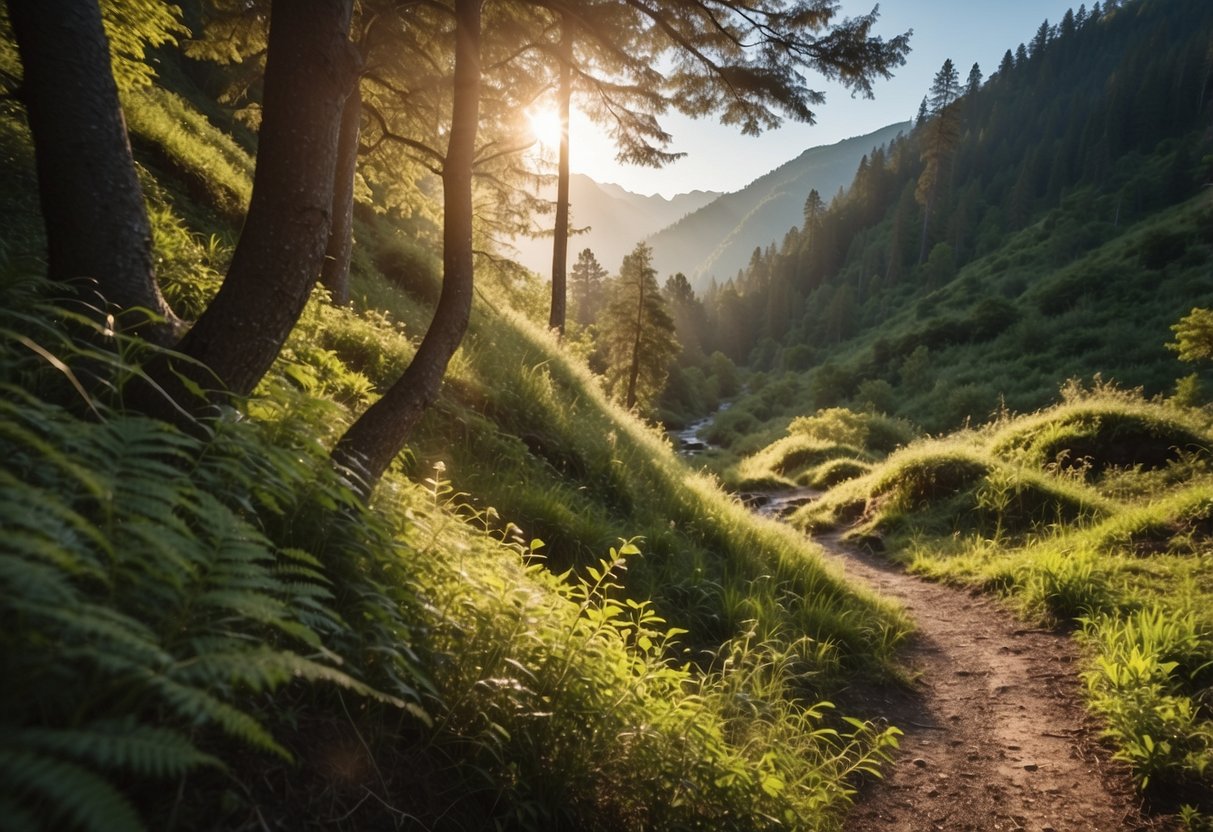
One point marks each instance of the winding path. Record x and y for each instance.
(996, 737)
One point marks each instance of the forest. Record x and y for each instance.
(321, 512)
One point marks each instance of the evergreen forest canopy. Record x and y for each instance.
(318, 509)
(999, 248)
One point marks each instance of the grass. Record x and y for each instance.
(663, 661)
(1094, 515)
(824, 449)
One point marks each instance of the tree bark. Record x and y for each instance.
(560, 238)
(310, 69)
(371, 443)
(336, 272)
(92, 206)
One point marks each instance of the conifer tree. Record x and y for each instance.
(973, 86)
(814, 210)
(744, 61)
(1006, 65)
(690, 318)
(369, 445)
(586, 285)
(1068, 24)
(1040, 41)
(637, 332)
(940, 137)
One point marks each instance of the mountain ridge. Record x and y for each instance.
(615, 220)
(761, 212)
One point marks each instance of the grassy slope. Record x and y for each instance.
(551, 702)
(1094, 514)
(1068, 297)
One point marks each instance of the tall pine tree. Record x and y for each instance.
(637, 332)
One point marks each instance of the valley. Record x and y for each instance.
(877, 494)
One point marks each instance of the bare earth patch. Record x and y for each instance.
(996, 737)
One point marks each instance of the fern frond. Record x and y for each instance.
(60, 790)
(142, 750)
(265, 669)
(27, 506)
(200, 708)
(15, 429)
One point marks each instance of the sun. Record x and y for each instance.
(545, 127)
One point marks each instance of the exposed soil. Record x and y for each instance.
(996, 737)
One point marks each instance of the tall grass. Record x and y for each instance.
(1093, 515)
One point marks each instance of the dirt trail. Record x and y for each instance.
(996, 737)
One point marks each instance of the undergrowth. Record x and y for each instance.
(1094, 515)
(209, 631)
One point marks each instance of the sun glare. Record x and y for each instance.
(545, 127)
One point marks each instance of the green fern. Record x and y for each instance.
(142, 590)
(65, 792)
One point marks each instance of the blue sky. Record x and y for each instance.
(721, 159)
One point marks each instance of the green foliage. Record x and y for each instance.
(1136, 684)
(1101, 430)
(1075, 263)
(564, 691)
(874, 432)
(409, 268)
(178, 142)
(822, 450)
(955, 485)
(637, 332)
(164, 591)
(132, 27)
(1127, 562)
(1194, 336)
(141, 557)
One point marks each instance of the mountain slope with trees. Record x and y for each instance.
(1048, 221)
(716, 241)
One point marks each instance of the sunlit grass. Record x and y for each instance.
(1095, 515)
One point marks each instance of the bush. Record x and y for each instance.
(411, 268)
(1096, 435)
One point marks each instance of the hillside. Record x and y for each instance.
(616, 221)
(1090, 517)
(1031, 266)
(717, 240)
(543, 620)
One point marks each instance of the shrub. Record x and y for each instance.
(871, 431)
(410, 268)
(1098, 434)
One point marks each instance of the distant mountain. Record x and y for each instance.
(617, 219)
(718, 239)
(1072, 229)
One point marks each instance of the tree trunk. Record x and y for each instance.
(560, 240)
(310, 69)
(634, 370)
(371, 443)
(92, 206)
(336, 272)
(926, 222)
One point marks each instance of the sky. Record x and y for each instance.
(722, 159)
